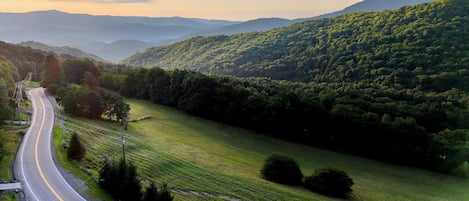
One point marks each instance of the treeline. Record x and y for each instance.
(24, 59)
(8, 77)
(425, 42)
(401, 126)
(122, 183)
(75, 82)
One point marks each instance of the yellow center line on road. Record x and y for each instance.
(36, 153)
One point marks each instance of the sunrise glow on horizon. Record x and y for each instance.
(208, 9)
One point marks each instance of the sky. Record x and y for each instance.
(207, 9)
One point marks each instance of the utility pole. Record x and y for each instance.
(126, 123)
(18, 97)
(18, 93)
(123, 147)
(27, 79)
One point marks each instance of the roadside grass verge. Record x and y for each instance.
(76, 168)
(11, 139)
(32, 84)
(195, 154)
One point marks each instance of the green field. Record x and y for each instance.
(194, 154)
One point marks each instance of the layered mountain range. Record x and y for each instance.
(399, 44)
(114, 38)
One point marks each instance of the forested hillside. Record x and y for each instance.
(425, 43)
(391, 85)
(401, 126)
(24, 59)
(15, 63)
(374, 5)
(8, 76)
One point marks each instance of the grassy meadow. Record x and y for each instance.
(205, 160)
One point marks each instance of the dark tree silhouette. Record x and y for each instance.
(282, 169)
(76, 150)
(329, 181)
(52, 72)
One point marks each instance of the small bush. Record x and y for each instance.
(329, 181)
(282, 169)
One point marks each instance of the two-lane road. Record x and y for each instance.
(34, 167)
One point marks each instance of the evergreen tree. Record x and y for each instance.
(106, 176)
(164, 194)
(76, 150)
(131, 188)
(151, 193)
(121, 181)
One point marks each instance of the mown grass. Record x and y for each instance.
(11, 139)
(92, 187)
(195, 154)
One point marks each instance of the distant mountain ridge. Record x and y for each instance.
(373, 5)
(117, 50)
(64, 50)
(81, 30)
(261, 24)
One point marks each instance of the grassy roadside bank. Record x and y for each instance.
(11, 139)
(76, 168)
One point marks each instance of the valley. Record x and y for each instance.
(366, 103)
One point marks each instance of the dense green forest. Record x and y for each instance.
(387, 85)
(425, 42)
(400, 126)
(24, 59)
(76, 85)
(8, 76)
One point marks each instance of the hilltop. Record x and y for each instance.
(374, 5)
(65, 51)
(384, 48)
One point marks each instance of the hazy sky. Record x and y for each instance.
(210, 9)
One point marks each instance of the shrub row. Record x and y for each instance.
(327, 181)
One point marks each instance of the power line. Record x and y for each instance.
(17, 97)
(18, 93)
(28, 78)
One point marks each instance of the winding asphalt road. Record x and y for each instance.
(34, 166)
